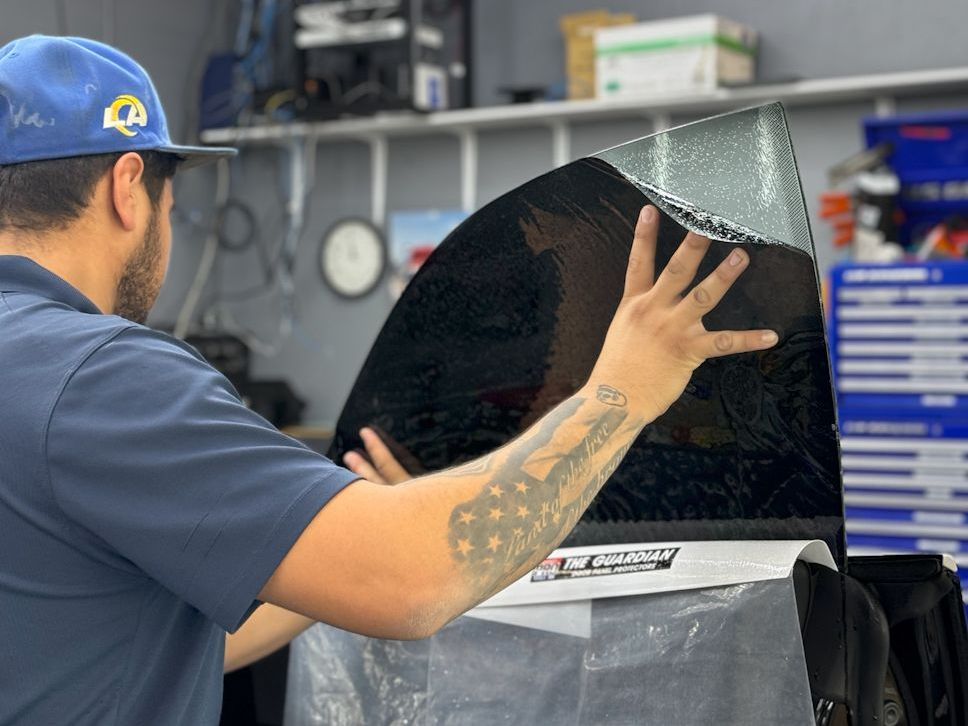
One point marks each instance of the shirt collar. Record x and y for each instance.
(20, 274)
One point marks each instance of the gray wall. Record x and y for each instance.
(517, 43)
(814, 39)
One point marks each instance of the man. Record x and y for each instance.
(145, 512)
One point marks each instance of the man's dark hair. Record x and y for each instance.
(43, 196)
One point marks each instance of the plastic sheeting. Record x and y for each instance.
(508, 316)
(729, 655)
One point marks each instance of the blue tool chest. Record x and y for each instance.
(899, 347)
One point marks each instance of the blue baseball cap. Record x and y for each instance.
(67, 97)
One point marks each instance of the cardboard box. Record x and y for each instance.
(691, 54)
(579, 33)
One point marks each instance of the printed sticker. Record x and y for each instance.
(609, 563)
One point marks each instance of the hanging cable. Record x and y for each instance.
(209, 40)
(240, 215)
(301, 179)
(244, 31)
(187, 313)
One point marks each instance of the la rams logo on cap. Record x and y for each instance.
(115, 118)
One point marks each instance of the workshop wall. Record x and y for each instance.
(516, 43)
(816, 39)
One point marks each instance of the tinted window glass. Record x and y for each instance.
(507, 319)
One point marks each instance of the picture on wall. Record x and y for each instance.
(413, 236)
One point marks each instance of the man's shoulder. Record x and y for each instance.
(72, 338)
(54, 348)
(44, 342)
(51, 331)
(137, 374)
(132, 338)
(49, 350)
(142, 355)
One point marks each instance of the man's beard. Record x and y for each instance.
(142, 278)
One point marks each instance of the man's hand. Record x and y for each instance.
(402, 561)
(385, 468)
(657, 338)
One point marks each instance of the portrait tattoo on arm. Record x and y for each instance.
(540, 488)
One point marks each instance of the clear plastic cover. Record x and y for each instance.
(728, 655)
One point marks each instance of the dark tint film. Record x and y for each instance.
(507, 318)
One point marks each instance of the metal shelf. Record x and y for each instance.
(881, 89)
(798, 93)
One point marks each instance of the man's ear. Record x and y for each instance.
(127, 192)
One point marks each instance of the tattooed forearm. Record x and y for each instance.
(541, 486)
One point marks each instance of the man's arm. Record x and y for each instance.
(401, 562)
(270, 627)
(266, 631)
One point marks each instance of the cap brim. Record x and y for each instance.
(193, 156)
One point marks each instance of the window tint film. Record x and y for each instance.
(507, 317)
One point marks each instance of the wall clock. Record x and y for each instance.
(352, 257)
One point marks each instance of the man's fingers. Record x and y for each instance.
(641, 269)
(358, 464)
(731, 342)
(385, 462)
(681, 270)
(707, 294)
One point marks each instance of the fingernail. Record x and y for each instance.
(736, 258)
(648, 214)
(770, 338)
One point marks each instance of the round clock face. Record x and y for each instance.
(352, 258)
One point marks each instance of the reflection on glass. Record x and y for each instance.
(507, 317)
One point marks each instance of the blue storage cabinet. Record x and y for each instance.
(929, 154)
(899, 346)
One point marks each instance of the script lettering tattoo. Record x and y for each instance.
(540, 491)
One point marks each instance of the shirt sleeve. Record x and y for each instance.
(151, 450)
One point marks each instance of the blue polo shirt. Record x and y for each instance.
(142, 509)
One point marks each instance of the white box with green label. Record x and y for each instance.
(691, 54)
